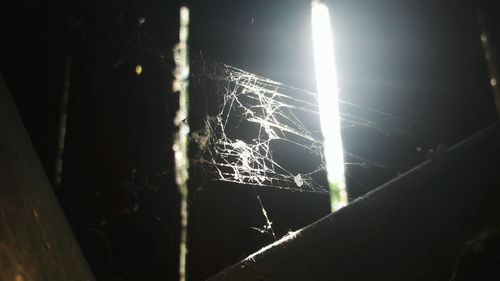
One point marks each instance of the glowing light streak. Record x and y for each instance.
(328, 101)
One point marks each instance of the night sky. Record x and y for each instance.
(420, 62)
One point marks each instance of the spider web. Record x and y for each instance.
(239, 140)
(242, 138)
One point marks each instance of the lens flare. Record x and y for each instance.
(138, 69)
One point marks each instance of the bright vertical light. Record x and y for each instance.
(326, 82)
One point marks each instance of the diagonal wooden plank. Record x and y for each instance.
(411, 228)
(36, 241)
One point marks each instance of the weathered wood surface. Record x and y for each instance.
(411, 228)
(36, 242)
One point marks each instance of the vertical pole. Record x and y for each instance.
(492, 60)
(63, 116)
(328, 102)
(180, 147)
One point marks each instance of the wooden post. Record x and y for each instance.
(36, 242)
(411, 228)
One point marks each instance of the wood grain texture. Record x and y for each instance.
(411, 228)
(36, 242)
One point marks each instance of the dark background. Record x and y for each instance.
(421, 61)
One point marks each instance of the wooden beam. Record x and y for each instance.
(36, 241)
(411, 228)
